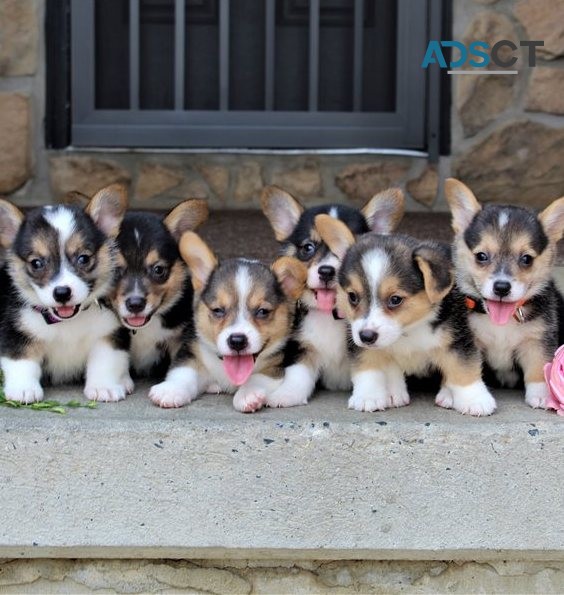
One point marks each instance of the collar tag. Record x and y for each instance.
(519, 315)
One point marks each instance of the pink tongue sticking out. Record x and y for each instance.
(325, 299)
(238, 368)
(500, 312)
(65, 311)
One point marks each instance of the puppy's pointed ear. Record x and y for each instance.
(291, 274)
(200, 259)
(335, 234)
(462, 203)
(187, 216)
(384, 210)
(282, 210)
(10, 220)
(435, 265)
(552, 220)
(107, 208)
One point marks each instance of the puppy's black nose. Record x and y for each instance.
(502, 288)
(237, 341)
(326, 273)
(135, 303)
(62, 294)
(368, 337)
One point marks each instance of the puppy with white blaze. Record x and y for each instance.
(60, 262)
(242, 335)
(405, 317)
(504, 256)
(320, 330)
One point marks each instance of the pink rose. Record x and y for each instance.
(554, 375)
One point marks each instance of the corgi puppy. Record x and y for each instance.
(504, 256)
(321, 333)
(60, 262)
(240, 343)
(153, 293)
(405, 317)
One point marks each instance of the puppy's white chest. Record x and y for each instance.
(67, 344)
(413, 351)
(500, 343)
(329, 338)
(147, 344)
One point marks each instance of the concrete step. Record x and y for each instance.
(322, 482)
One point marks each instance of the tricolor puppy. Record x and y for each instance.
(60, 262)
(243, 316)
(504, 256)
(153, 293)
(321, 333)
(405, 318)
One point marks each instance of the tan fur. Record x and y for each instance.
(107, 208)
(280, 207)
(434, 293)
(10, 220)
(291, 274)
(343, 304)
(200, 259)
(552, 220)
(462, 202)
(372, 359)
(414, 307)
(457, 371)
(384, 210)
(186, 216)
(338, 237)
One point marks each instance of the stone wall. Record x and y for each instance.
(507, 132)
(260, 576)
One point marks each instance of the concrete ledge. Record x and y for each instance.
(320, 482)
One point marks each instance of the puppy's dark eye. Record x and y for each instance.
(482, 257)
(306, 251)
(37, 264)
(526, 260)
(394, 301)
(218, 312)
(159, 271)
(262, 313)
(354, 299)
(83, 260)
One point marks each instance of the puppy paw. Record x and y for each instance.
(107, 394)
(444, 398)
(249, 400)
(399, 399)
(168, 394)
(474, 399)
(24, 393)
(128, 384)
(370, 402)
(536, 395)
(213, 389)
(285, 398)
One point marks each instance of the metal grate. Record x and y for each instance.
(250, 73)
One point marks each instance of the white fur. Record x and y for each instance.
(370, 392)
(68, 344)
(536, 394)
(313, 279)
(62, 219)
(145, 341)
(333, 212)
(518, 289)
(242, 324)
(252, 396)
(297, 386)
(503, 219)
(21, 380)
(499, 345)
(182, 386)
(107, 373)
(473, 399)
